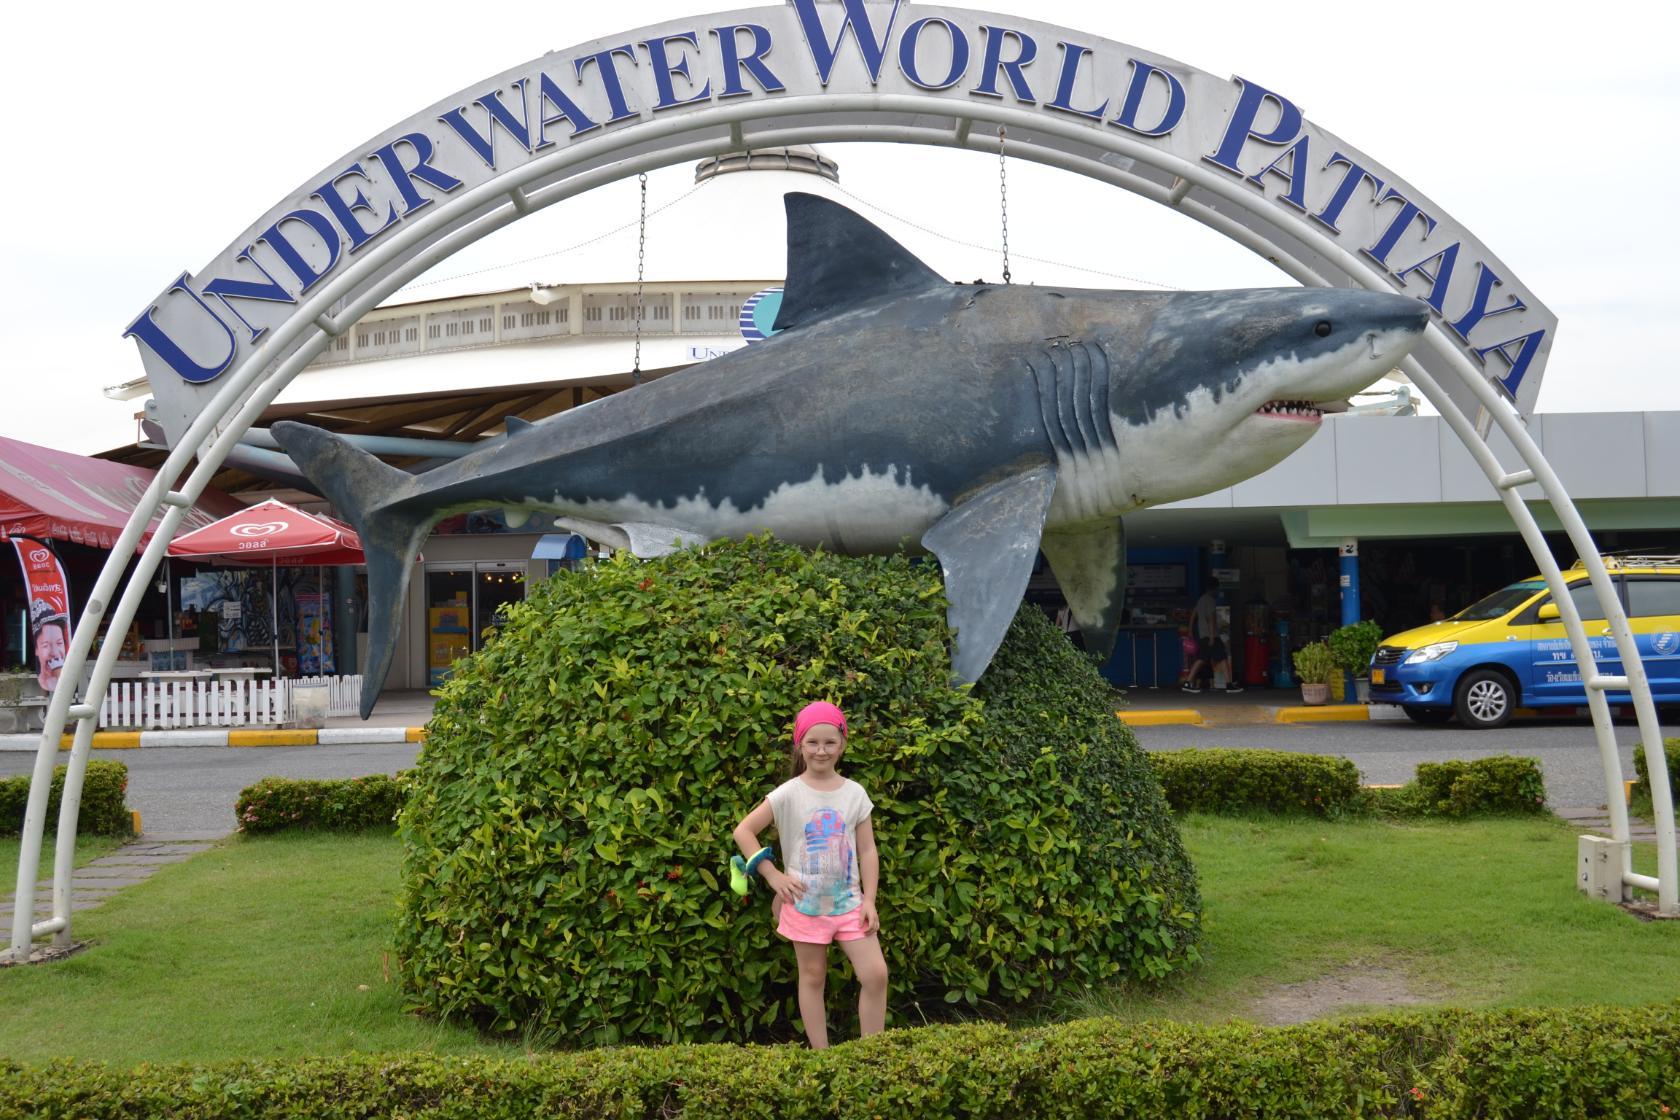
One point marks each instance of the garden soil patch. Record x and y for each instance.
(1362, 986)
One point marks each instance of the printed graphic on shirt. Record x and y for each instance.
(827, 865)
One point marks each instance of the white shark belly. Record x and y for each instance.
(867, 512)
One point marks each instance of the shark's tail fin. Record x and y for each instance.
(366, 492)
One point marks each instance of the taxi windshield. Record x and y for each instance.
(1501, 602)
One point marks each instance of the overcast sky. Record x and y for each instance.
(144, 138)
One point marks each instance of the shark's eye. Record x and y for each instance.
(1322, 328)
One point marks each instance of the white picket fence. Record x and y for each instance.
(172, 704)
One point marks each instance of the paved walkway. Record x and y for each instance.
(134, 862)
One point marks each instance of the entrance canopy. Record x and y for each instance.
(61, 496)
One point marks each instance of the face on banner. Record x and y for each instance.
(49, 608)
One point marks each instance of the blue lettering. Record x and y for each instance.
(307, 274)
(907, 53)
(145, 329)
(1141, 73)
(1296, 154)
(1486, 281)
(226, 290)
(1519, 365)
(495, 114)
(663, 69)
(608, 70)
(1011, 68)
(1355, 175)
(824, 53)
(734, 63)
(1438, 279)
(1242, 125)
(565, 109)
(1072, 56)
(1409, 212)
(345, 209)
(422, 170)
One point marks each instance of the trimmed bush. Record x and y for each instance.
(340, 805)
(1585, 1062)
(102, 810)
(1240, 781)
(1501, 784)
(568, 822)
(1642, 792)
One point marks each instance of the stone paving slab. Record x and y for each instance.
(94, 882)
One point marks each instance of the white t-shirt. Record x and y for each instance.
(817, 828)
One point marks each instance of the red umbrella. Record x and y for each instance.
(273, 533)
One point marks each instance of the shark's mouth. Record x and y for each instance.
(1310, 411)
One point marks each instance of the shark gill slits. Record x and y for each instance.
(1322, 328)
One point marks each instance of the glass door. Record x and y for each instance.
(449, 630)
(462, 601)
(499, 582)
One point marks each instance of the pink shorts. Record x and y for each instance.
(822, 929)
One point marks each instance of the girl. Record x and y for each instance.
(828, 892)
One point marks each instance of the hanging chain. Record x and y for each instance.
(641, 271)
(1003, 200)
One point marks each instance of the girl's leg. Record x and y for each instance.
(871, 969)
(813, 971)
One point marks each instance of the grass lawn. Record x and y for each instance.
(275, 946)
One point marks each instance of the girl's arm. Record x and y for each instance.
(789, 888)
(869, 874)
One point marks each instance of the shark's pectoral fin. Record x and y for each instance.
(1089, 562)
(986, 546)
(644, 541)
(648, 541)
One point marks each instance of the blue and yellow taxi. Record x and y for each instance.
(1510, 650)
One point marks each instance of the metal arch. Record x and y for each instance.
(456, 222)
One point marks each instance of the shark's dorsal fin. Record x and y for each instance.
(516, 425)
(837, 260)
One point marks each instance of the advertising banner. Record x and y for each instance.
(49, 607)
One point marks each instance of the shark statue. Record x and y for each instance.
(893, 409)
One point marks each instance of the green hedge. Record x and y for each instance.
(1574, 1062)
(1227, 781)
(1500, 784)
(567, 827)
(1642, 792)
(341, 805)
(1240, 781)
(102, 809)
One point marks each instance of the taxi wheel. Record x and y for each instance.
(1417, 713)
(1484, 700)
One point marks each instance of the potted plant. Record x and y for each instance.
(1353, 647)
(1315, 665)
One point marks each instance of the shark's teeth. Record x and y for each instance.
(1303, 410)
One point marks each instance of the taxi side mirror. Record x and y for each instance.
(1549, 613)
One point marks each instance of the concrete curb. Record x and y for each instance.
(225, 737)
(1160, 717)
(1324, 713)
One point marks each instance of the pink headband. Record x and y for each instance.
(812, 714)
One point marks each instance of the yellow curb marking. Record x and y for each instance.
(105, 741)
(416, 735)
(1327, 713)
(1157, 717)
(271, 739)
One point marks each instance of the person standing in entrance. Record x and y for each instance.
(1211, 654)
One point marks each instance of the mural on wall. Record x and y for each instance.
(240, 601)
